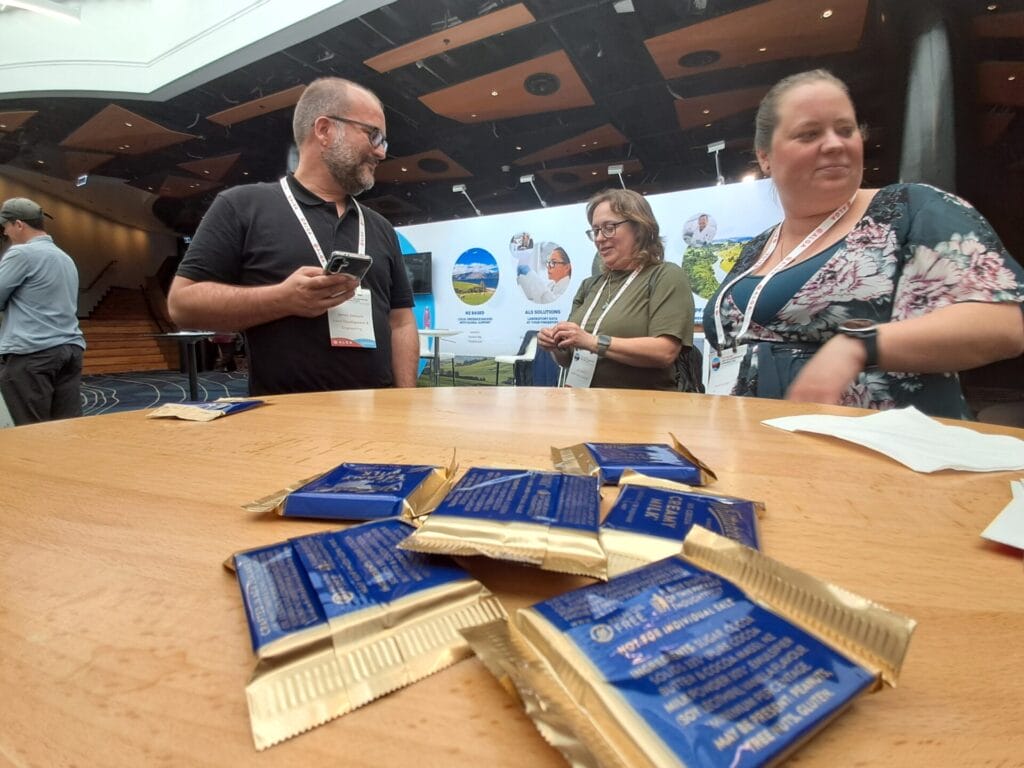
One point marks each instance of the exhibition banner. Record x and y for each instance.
(496, 277)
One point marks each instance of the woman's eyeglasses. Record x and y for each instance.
(607, 229)
(555, 262)
(373, 133)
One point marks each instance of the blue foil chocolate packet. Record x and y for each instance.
(353, 491)
(715, 658)
(546, 519)
(608, 461)
(340, 618)
(196, 411)
(651, 516)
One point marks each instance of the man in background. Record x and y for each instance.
(41, 345)
(256, 262)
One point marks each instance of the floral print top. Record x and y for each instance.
(916, 249)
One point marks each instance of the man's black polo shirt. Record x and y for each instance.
(251, 236)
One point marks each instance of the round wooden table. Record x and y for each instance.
(124, 642)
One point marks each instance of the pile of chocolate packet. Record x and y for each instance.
(692, 648)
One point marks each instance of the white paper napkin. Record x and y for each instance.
(1008, 527)
(916, 440)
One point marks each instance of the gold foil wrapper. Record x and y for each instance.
(421, 502)
(309, 678)
(873, 636)
(592, 724)
(577, 460)
(548, 547)
(628, 550)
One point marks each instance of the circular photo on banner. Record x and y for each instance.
(543, 273)
(699, 230)
(475, 276)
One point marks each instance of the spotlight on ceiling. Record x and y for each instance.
(528, 179)
(714, 148)
(616, 170)
(462, 188)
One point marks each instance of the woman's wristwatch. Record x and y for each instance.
(603, 342)
(865, 331)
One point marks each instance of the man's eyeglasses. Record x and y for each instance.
(607, 229)
(555, 263)
(373, 133)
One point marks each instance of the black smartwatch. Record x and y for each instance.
(603, 342)
(866, 331)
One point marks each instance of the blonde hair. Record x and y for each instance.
(768, 112)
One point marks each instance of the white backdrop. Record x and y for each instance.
(475, 260)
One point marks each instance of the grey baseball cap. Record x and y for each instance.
(21, 209)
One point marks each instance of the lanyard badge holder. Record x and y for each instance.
(724, 365)
(581, 369)
(351, 322)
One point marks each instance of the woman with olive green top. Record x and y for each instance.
(628, 323)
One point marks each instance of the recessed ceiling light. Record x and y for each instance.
(875, 169)
(127, 125)
(41, 162)
(593, 143)
(593, 173)
(206, 172)
(763, 48)
(494, 93)
(149, 188)
(705, 111)
(3, 125)
(707, 125)
(1012, 78)
(519, 148)
(245, 173)
(827, 13)
(404, 169)
(991, 7)
(584, 145)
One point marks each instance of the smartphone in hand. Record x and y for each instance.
(346, 263)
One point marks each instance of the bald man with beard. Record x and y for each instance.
(256, 262)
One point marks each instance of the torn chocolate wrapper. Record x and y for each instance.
(353, 491)
(341, 618)
(195, 411)
(716, 657)
(651, 516)
(608, 461)
(545, 519)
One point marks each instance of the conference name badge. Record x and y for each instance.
(581, 370)
(724, 369)
(351, 322)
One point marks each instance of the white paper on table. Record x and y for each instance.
(1008, 527)
(916, 440)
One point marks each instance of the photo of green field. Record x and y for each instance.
(475, 277)
(707, 265)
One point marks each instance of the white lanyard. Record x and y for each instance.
(608, 306)
(790, 257)
(309, 230)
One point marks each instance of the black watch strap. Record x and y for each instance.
(866, 332)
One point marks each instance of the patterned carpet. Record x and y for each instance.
(115, 392)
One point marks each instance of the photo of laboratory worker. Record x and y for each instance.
(545, 288)
(699, 230)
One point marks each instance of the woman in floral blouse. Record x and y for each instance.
(863, 297)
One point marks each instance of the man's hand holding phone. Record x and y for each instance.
(346, 263)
